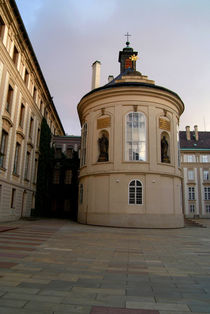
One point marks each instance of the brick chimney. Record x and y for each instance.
(196, 132)
(96, 70)
(188, 132)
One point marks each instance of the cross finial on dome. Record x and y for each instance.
(127, 42)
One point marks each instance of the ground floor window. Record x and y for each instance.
(207, 208)
(192, 208)
(135, 192)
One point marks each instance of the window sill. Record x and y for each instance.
(135, 161)
(3, 169)
(26, 180)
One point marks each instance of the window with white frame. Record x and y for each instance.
(205, 158)
(135, 193)
(83, 145)
(205, 174)
(191, 193)
(3, 148)
(135, 142)
(207, 208)
(191, 174)
(207, 193)
(192, 208)
(189, 158)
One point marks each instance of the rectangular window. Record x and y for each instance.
(191, 175)
(2, 28)
(9, 98)
(34, 93)
(189, 158)
(3, 148)
(31, 127)
(13, 198)
(204, 158)
(27, 165)
(69, 153)
(207, 193)
(38, 137)
(17, 157)
(56, 176)
(22, 111)
(26, 77)
(58, 152)
(192, 208)
(15, 56)
(68, 176)
(205, 174)
(83, 145)
(191, 193)
(35, 170)
(207, 208)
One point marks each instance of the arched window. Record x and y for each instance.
(83, 145)
(135, 142)
(135, 193)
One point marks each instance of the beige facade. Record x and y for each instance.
(195, 160)
(24, 100)
(136, 186)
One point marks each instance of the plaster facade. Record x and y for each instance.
(24, 101)
(105, 188)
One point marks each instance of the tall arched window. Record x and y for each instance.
(135, 142)
(135, 193)
(83, 145)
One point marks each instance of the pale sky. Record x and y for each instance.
(171, 36)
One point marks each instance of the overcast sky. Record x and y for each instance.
(171, 36)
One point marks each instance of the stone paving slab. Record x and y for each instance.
(73, 268)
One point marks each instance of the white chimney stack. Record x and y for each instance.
(96, 71)
(188, 133)
(196, 132)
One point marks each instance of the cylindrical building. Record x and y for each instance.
(130, 172)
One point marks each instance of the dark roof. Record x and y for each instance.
(202, 143)
(28, 42)
(68, 140)
(130, 72)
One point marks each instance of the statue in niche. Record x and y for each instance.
(103, 143)
(164, 150)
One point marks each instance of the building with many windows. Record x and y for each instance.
(64, 185)
(130, 173)
(24, 101)
(195, 160)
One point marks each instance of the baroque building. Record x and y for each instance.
(24, 100)
(130, 173)
(195, 160)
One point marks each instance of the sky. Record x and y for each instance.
(171, 37)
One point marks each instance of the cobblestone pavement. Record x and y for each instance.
(57, 266)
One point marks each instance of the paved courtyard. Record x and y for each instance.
(58, 266)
